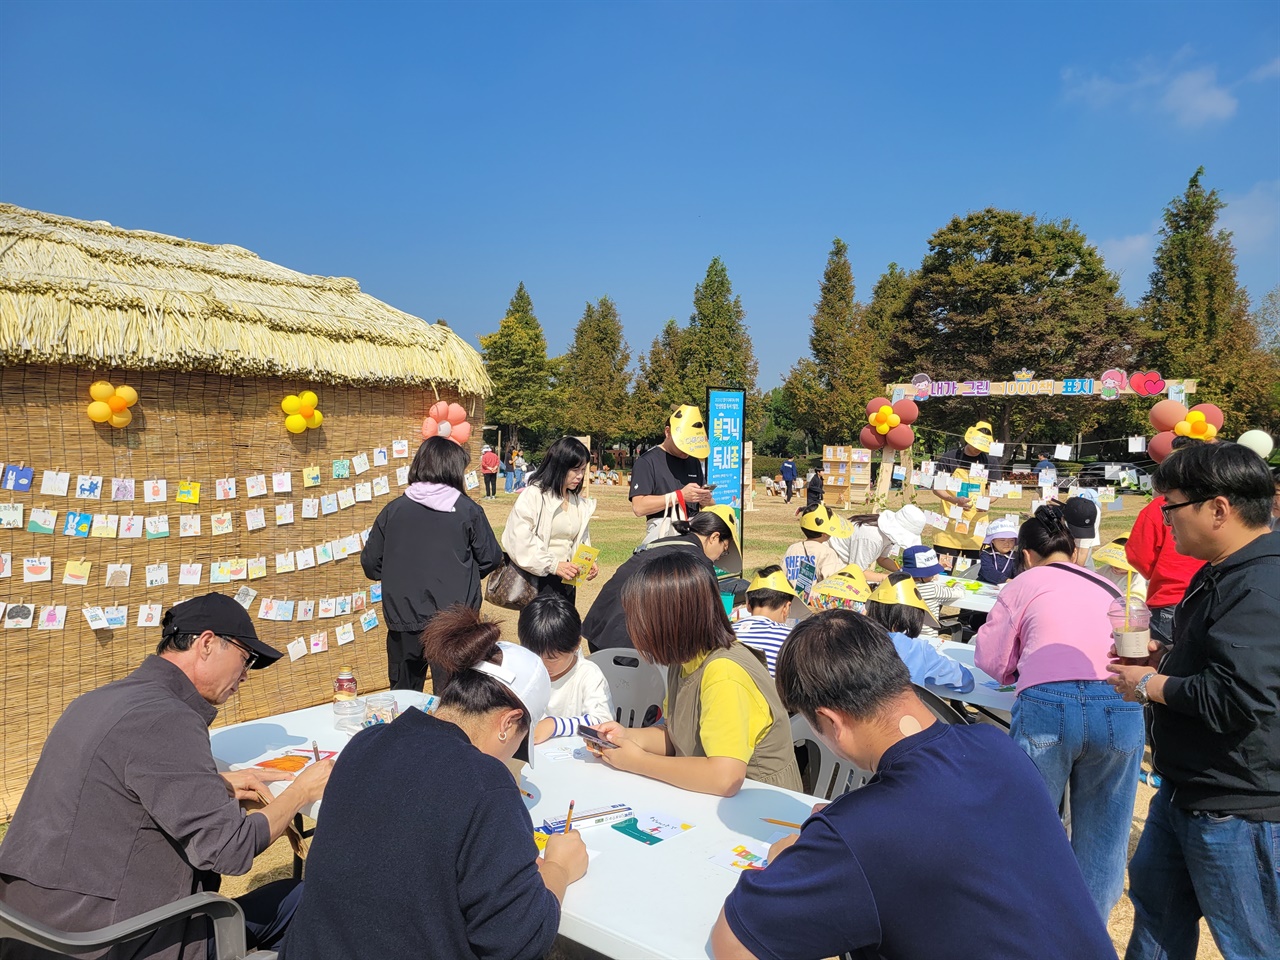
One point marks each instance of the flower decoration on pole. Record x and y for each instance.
(1173, 419)
(447, 420)
(109, 404)
(889, 424)
(301, 412)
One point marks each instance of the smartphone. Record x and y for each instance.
(712, 486)
(593, 737)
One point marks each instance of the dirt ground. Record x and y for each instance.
(767, 531)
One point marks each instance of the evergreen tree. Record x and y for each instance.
(594, 379)
(1201, 316)
(715, 349)
(516, 360)
(830, 391)
(1000, 291)
(658, 385)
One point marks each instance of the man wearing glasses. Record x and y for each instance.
(126, 810)
(1211, 845)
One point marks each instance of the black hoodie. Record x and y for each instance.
(1216, 738)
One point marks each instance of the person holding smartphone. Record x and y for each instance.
(672, 476)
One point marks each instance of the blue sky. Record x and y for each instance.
(443, 153)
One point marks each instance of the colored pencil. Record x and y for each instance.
(781, 823)
(568, 820)
(525, 792)
(315, 748)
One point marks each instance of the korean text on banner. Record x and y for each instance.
(726, 415)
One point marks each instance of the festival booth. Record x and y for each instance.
(180, 417)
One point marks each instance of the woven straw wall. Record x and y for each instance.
(186, 426)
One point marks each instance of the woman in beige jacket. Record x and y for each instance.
(550, 519)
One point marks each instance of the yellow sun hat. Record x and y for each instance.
(823, 520)
(725, 513)
(979, 436)
(774, 581)
(1113, 555)
(903, 592)
(689, 431)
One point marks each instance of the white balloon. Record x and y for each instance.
(1257, 441)
(445, 428)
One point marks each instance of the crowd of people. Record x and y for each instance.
(961, 823)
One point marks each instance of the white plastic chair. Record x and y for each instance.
(826, 775)
(636, 684)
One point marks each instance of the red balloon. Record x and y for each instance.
(870, 439)
(1211, 413)
(875, 405)
(1165, 414)
(1161, 445)
(908, 410)
(900, 437)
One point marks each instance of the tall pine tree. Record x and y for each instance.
(1201, 314)
(516, 360)
(830, 391)
(715, 349)
(658, 385)
(594, 379)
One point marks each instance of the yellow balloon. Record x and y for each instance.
(894, 419)
(121, 419)
(98, 411)
(872, 418)
(294, 423)
(315, 419)
(308, 398)
(1182, 428)
(101, 390)
(886, 409)
(127, 394)
(1210, 431)
(1195, 416)
(883, 428)
(290, 404)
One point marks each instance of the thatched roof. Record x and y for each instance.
(76, 292)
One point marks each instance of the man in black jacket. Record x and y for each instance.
(1211, 846)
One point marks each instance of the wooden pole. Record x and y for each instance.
(748, 477)
(886, 475)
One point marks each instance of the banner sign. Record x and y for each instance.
(726, 416)
(1110, 386)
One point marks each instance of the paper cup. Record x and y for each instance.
(1132, 644)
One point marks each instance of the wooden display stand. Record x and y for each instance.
(748, 477)
(847, 469)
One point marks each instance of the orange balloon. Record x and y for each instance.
(305, 412)
(117, 403)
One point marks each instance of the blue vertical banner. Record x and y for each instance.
(726, 417)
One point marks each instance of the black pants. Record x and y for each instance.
(786, 497)
(490, 484)
(406, 666)
(552, 582)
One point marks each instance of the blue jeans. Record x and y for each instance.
(509, 479)
(1081, 733)
(1190, 865)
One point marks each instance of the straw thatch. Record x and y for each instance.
(90, 294)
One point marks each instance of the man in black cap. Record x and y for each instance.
(126, 810)
(1081, 516)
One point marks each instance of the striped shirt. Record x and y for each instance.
(935, 594)
(764, 635)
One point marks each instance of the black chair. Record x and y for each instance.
(227, 917)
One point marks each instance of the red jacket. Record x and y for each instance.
(1151, 551)
(489, 462)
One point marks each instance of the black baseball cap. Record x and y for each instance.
(225, 617)
(1081, 515)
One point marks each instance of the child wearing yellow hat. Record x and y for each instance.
(770, 600)
(818, 524)
(897, 606)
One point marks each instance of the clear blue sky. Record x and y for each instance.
(442, 153)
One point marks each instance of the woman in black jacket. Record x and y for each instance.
(430, 547)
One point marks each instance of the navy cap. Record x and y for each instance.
(1081, 515)
(225, 617)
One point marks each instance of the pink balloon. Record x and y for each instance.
(457, 413)
(460, 433)
(870, 439)
(1212, 414)
(900, 437)
(439, 411)
(1161, 445)
(430, 427)
(876, 404)
(908, 410)
(1165, 414)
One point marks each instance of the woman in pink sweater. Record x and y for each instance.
(1049, 634)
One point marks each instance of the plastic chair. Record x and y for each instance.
(227, 917)
(937, 706)
(637, 686)
(825, 774)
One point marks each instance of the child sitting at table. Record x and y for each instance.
(896, 605)
(818, 524)
(997, 559)
(550, 627)
(769, 600)
(921, 564)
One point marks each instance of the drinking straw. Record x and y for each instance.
(1128, 590)
(568, 820)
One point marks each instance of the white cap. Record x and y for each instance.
(523, 672)
(903, 526)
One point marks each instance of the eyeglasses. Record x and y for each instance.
(251, 657)
(1167, 509)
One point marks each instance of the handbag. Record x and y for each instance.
(510, 587)
(665, 525)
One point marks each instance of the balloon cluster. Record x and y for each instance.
(889, 425)
(111, 404)
(300, 412)
(447, 420)
(1172, 419)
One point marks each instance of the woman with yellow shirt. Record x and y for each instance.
(725, 722)
(960, 539)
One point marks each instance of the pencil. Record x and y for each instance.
(316, 750)
(526, 793)
(568, 820)
(781, 823)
